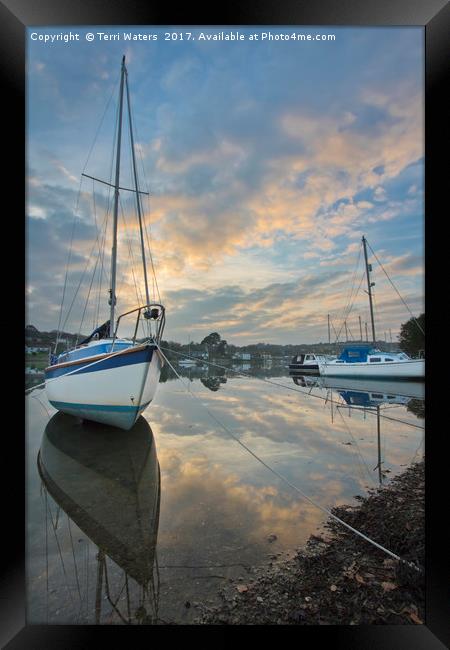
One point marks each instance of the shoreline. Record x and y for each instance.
(338, 578)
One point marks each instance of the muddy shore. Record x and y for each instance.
(338, 577)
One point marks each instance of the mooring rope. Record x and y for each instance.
(285, 480)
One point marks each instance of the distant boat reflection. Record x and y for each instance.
(369, 395)
(108, 484)
(365, 392)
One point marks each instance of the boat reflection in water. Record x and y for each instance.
(368, 395)
(365, 392)
(108, 484)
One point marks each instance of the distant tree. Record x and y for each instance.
(411, 339)
(212, 340)
(222, 348)
(213, 383)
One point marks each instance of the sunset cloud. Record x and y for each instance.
(264, 172)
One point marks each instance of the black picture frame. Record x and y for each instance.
(15, 17)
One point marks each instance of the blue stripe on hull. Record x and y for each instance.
(121, 416)
(126, 359)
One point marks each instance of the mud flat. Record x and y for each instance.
(338, 577)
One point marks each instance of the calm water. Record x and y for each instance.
(129, 527)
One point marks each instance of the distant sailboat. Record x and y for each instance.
(365, 360)
(187, 362)
(106, 378)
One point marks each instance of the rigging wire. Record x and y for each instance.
(398, 293)
(94, 207)
(59, 329)
(344, 313)
(102, 268)
(53, 524)
(147, 188)
(131, 257)
(87, 299)
(75, 566)
(81, 280)
(113, 91)
(345, 423)
(137, 289)
(350, 306)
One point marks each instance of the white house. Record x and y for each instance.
(242, 356)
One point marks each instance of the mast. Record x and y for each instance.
(138, 199)
(98, 590)
(369, 288)
(378, 465)
(112, 299)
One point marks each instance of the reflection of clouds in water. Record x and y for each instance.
(330, 459)
(296, 434)
(197, 493)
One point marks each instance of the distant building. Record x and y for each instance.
(33, 350)
(242, 365)
(242, 356)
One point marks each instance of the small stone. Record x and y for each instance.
(259, 599)
(271, 538)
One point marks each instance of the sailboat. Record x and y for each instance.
(108, 378)
(187, 362)
(366, 360)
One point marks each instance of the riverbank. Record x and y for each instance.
(339, 578)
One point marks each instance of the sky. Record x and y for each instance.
(266, 161)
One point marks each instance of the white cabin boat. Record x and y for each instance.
(365, 361)
(307, 362)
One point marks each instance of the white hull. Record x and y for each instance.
(408, 369)
(113, 395)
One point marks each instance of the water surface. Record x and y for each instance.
(138, 527)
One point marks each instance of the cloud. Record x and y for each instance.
(254, 179)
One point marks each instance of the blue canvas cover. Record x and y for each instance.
(355, 353)
(356, 398)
